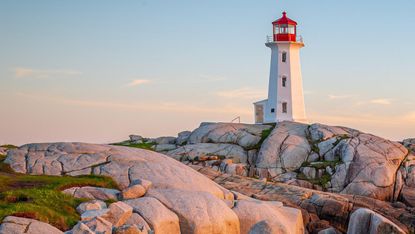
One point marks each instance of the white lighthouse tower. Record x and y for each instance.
(285, 90)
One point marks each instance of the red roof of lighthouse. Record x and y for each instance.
(284, 20)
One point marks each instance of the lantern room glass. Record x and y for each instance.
(284, 29)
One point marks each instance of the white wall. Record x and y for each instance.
(272, 84)
(292, 94)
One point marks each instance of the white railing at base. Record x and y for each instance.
(269, 39)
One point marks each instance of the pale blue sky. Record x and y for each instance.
(67, 67)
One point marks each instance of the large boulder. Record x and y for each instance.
(89, 192)
(183, 137)
(138, 221)
(91, 205)
(134, 191)
(199, 212)
(365, 221)
(268, 217)
(408, 195)
(196, 151)
(164, 147)
(81, 228)
(16, 225)
(163, 140)
(159, 217)
(285, 149)
(136, 138)
(245, 135)
(99, 225)
(119, 213)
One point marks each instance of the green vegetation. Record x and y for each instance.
(340, 138)
(39, 197)
(9, 146)
(144, 145)
(322, 181)
(325, 178)
(315, 148)
(264, 135)
(321, 164)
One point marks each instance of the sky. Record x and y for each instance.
(97, 70)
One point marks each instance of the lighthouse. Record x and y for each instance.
(285, 89)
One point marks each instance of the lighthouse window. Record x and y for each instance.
(284, 57)
(291, 29)
(284, 107)
(284, 81)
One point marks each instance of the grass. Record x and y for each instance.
(40, 197)
(144, 145)
(9, 146)
(264, 135)
(325, 178)
(321, 164)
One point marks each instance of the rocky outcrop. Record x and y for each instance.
(93, 193)
(344, 160)
(166, 140)
(12, 224)
(244, 135)
(197, 152)
(410, 144)
(320, 209)
(285, 150)
(334, 159)
(228, 147)
(365, 221)
(183, 137)
(321, 157)
(134, 191)
(201, 213)
(139, 222)
(262, 217)
(405, 180)
(119, 213)
(136, 139)
(160, 218)
(176, 197)
(91, 205)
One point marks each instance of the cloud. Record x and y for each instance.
(137, 82)
(381, 101)
(377, 101)
(334, 97)
(245, 93)
(21, 72)
(138, 106)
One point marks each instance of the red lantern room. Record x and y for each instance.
(285, 29)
